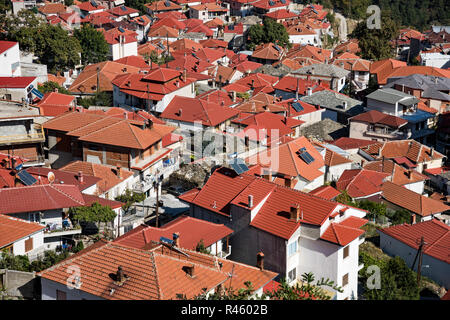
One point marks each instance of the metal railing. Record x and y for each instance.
(24, 137)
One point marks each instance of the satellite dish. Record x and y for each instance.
(51, 177)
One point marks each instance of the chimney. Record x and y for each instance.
(120, 277)
(362, 163)
(408, 174)
(268, 175)
(190, 270)
(126, 115)
(80, 177)
(234, 96)
(295, 212)
(149, 124)
(119, 175)
(176, 239)
(309, 91)
(250, 201)
(183, 77)
(260, 260)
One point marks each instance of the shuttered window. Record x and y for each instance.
(29, 245)
(345, 280)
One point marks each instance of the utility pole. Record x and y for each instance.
(419, 254)
(156, 185)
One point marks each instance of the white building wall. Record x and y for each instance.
(304, 39)
(38, 244)
(417, 187)
(49, 288)
(10, 62)
(335, 172)
(437, 270)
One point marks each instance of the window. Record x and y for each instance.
(345, 280)
(292, 248)
(346, 251)
(34, 217)
(292, 275)
(61, 295)
(28, 244)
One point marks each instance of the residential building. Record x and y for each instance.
(163, 271)
(161, 6)
(208, 11)
(338, 107)
(409, 153)
(430, 89)
(240, 8)
(263, 7)
(297, 232)
(329, 73)
(22, 137)
(378, 126)
(18, 5)
(20, 237)
(131, 144)
(268, 53)
(10, 59)
(195, 114)
(47, 205)
(399, 104)
(296, 164)
(153, 91)
(359, 69)
(121, 43)
(406, 177)
(187, 232)
(98, 77)
(362, 184)
(422, 208)
(18, 88)
(404, 241)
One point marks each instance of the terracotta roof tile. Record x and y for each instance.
(14, 229)
(435, 233)
(411, 200)
(360, 183)
(209, 232)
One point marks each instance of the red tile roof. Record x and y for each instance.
(344, 232)
(274, 215)
(197, 110)
(352, 143)
(107, 174)
(412, 201)
(157, 274)
(268, 51)
(285, 159)
(191, 232)
(398, 174)
(411, 149)
(39, 198)
(135, 61)
(62, 177)
(326, 192)
(377, 117)
(361, 183)
(122, 11)
(6, 45)
(14, 229)
(16, 82)
(108, 130)
(435, 233)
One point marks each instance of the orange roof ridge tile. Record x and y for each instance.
(67, 195)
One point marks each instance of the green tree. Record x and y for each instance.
(95, 213)
(5, 6)
(102, 98)
(50, 86)
(375, 209)
(57, 49)
(398, 282)
(201, 247)
(308, 290)
(400, 216)
(130, 197)
(138, 5)
(270, 31)
(375, 44)
(94, 47)
(344, 198)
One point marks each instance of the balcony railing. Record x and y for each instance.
(224, 253)
(37, 136)
(385, 134)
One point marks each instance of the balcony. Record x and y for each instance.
(36, 134)
(57, 230)
(225, 253)
(392, 135)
